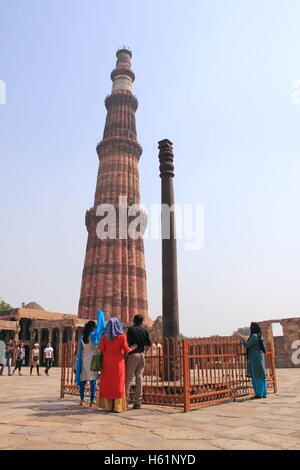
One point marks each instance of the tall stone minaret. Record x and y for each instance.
(114, 275)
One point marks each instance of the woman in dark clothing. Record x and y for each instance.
(20, 358)
(255, 360)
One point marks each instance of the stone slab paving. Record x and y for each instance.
(32, 416)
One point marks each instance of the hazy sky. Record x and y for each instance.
(213, 76)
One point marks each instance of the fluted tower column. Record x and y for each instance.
(114, 276)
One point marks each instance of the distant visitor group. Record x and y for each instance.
(101, 352)
(7, 353)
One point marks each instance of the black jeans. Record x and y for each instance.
(18, 365)
(48, 364)
(37, 369)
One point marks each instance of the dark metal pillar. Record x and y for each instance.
(169, 254)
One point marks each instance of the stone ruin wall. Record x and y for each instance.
(287, 346)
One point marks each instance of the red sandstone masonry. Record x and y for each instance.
(114, 276)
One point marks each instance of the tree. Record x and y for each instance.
(245, 331)
(4, 305)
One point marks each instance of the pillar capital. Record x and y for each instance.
(166, 157)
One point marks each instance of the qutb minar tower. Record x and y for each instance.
(114, 275)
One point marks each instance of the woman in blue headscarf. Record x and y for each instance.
(112, 381)
(87, 348)
(255, 360)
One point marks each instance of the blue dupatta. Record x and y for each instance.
(95, 338)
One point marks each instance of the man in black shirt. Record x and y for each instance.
(135, 361)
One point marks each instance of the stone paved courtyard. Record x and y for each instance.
(32, 416)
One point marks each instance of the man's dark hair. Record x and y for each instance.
(138, 319)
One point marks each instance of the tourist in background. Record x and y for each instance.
(87, 348)
(9, 351)
(20, 358)
(48, 357)
(2, 356)
(35, 359)
(255, 360)
(114, 346)
(135, 361)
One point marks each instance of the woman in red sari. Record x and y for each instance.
(114, 346)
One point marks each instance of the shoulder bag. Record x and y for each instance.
(96, 362)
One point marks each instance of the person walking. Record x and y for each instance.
(9, 351)
(255, 360)
(35, 359)
(113, 345)
(87, 348)
(20, 358)
(2, 356)
(135, 361)
(48, 357)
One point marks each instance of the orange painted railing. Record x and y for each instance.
(187, 373)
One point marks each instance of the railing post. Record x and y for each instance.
(186, 376)
(72, 362)
(273, 366)
(63, 365)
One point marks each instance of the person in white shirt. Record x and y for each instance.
(48, 357)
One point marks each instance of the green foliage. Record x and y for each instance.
(245, 331)
(4, 305)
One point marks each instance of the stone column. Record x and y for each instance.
(169, 254)
(39, 337)
(16, 338)
(50, 335)
(32, 337)
(17, 332)
(73, 334)
(60, 340)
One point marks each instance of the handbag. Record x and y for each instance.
(96, 362)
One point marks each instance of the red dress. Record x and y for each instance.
(112, 380)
